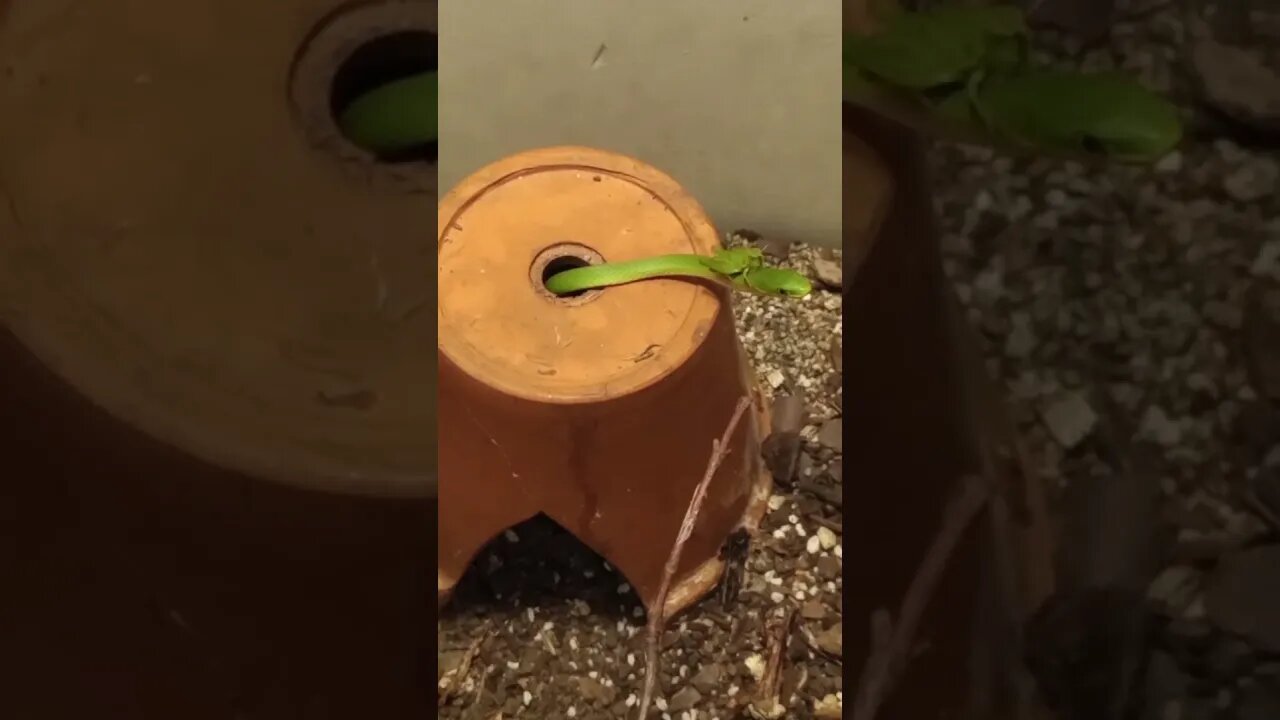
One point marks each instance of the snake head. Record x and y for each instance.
(778, 282)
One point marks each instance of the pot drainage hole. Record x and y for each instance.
(383, 97)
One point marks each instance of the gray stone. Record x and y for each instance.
(1159, 428)
(687, 698)
(1252, 180)
(829, 273)
(832, 435)
(1069, 418)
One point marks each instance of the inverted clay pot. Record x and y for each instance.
(187, 239)
(597, 410)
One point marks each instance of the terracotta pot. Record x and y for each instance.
(187, 240)
(598, 410)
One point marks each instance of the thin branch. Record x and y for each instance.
(888, 657)
(658, 613)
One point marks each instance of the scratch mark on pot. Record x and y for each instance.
(597, 61)
(581, 438)
(511, 468)
(647, 353)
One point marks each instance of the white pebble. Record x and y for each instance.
(814, 544)
(826, 538)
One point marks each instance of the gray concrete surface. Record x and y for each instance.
(739, 101)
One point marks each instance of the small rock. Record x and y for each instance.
(832, 435)
(708, 678)
(1175, 587)
(1170, 163)
(826, 537)
(828, 568)
(813, 610)
(687, 698)
(594, 691)
(813, 546)
(1252, 180)
(1223, 314)
(781, 450)
(1267, 262)
(829, 273)
(1238, 83)
(1157, 427)
(831, 640)
(1021, 340)
(1242, 596)
(828, 708)
(836, 471)
(836, 353)
(1069, 419)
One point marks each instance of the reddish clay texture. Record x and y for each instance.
(598, 411)
(185, 238)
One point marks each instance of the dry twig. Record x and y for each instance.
(892, 643)
(658, 613)
(451, 684)
(768, 703)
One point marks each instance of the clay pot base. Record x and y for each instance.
(187, 239)
(598, 411)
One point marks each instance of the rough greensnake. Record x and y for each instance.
(740, 268)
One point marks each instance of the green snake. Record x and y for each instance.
(740, 268)
(401, 115)
(395, 117)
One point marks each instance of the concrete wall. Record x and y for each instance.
(739, 100)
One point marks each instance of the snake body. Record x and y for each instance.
(620, 273)
(740, 268)
(395, 117)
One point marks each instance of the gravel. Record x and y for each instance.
(541, 627)
(1125, 304)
